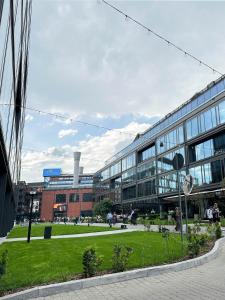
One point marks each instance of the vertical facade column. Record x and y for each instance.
(3, 180)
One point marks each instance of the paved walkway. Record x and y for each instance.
(78, 235)
(206, 282)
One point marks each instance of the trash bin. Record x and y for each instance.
(48, 232)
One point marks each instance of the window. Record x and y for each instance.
(88, 197)
(146, 188)
(201, 151)
(168, 183)
(146, 154)
(146, 170)
(129, 193)
(128, 162)
(165, 162)
(105, 174)
(222, 112)
(170, 140)
(216, 168)
(74, 198)
(60, 198)
(116, 168)
(129, 176)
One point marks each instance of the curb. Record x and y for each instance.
(57, 288)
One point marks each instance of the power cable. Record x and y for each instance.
(72, 119)
(159, 36)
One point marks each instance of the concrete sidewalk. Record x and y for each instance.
(79, 235)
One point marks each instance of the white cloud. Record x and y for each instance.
(29, 118)
(67, 132)
(95, 151)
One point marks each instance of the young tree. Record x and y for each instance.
(103, 207)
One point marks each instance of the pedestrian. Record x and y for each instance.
(209, 214)
(133, 217)
(109, 218)
(177, 217)
(114, 219)
(216, 213)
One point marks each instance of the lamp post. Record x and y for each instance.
(32, 193)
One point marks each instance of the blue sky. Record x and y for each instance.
(89, 64)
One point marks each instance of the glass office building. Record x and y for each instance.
(15, 22)
(142, 174)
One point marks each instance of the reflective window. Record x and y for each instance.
(146, 188)
(146, 170)
(129, 176)
(116, 169)
(105, 174)
(128, 162)
(165, 162)
(201, 151)
(168, 183)
(222, 112)
(129, 193)
(196, 173)
(170, 140)
(146, 154)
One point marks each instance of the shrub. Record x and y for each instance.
(193, 247)
(120, 257)
(218, 231)
(3, 263)
(91, 262)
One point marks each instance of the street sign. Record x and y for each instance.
(188, 184)
(178, 161)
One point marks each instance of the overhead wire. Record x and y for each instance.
(162, 38)
(73, 119)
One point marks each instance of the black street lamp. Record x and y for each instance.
(32, 193)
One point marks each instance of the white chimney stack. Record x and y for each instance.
(76, 169)
(81, 170)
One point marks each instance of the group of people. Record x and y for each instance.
(111, 218)
(213, 214)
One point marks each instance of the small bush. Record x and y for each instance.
(91, 262)
(218, 231)
(193, 247)
(120, 257)
(3, 263)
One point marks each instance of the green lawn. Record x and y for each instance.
(57, 229)
(45, 261)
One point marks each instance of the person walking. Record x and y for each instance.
(209, 214)
(216, 213)
(177, 217)
(109, 218)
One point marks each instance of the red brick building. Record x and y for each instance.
(66, 202)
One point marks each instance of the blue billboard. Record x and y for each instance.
(52, 172)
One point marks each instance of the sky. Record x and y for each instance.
(87, 63)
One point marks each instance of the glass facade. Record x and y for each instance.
(129, 176)
(170, 140)
(206, 121)
(149, 169)
(147, 188)
(146, 170)
(169, 183)
(207, 173)
(146, 154)
(129, 192)
(115, 169)
(165, 162)
(128, 162)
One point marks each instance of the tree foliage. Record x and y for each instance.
(103, 207)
